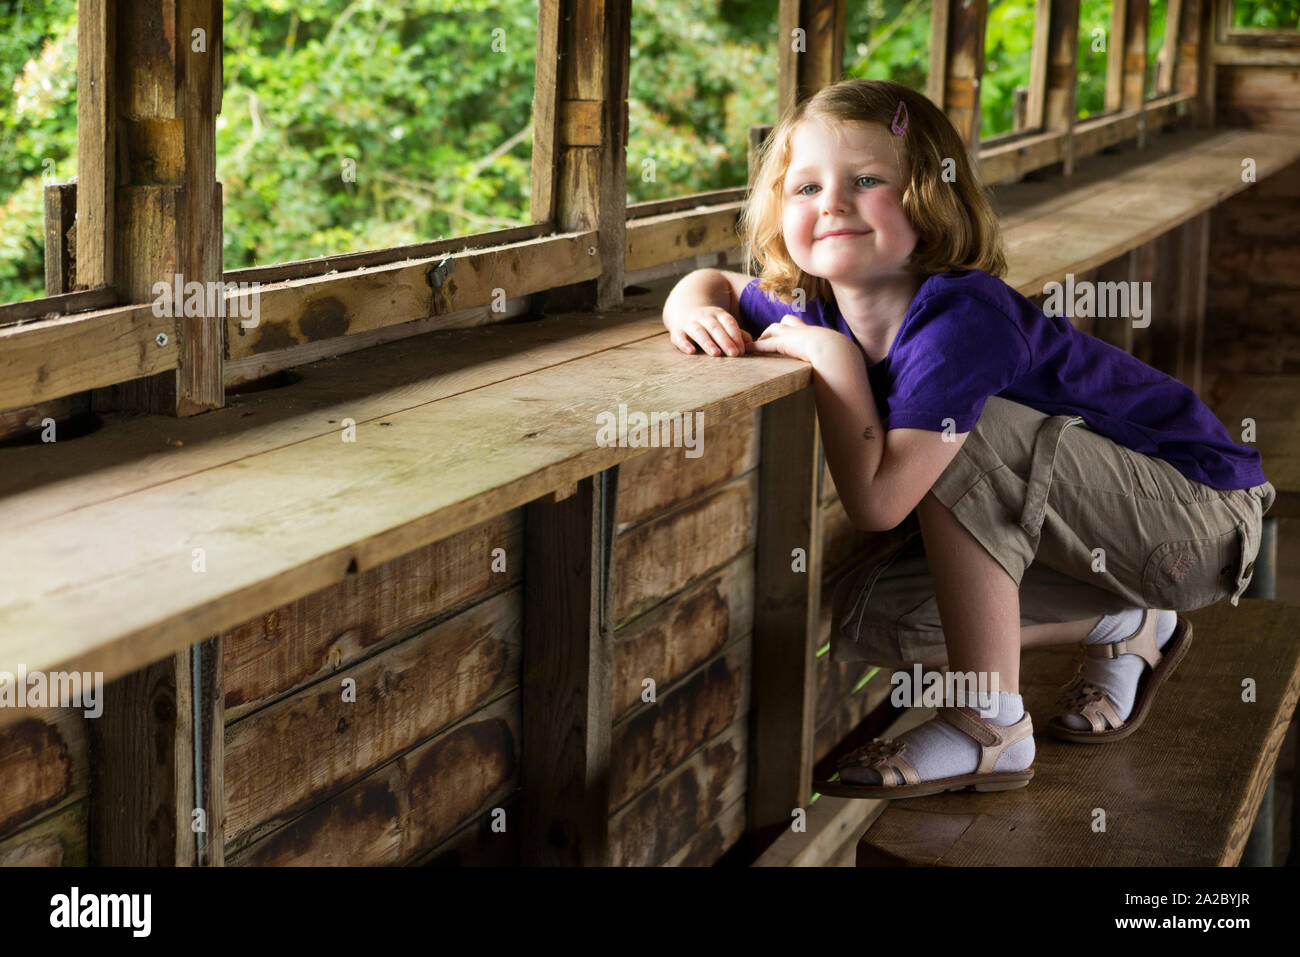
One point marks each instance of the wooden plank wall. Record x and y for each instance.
(424, 759)
(313, 779)
(1253, 293)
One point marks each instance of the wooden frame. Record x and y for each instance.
(42, 358)
(1226, 33)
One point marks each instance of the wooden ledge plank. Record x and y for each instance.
(1105, 214)
(1182, 790)
(110, 587)
(132, 453)
(1017, 203)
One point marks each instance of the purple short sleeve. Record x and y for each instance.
(955, 352)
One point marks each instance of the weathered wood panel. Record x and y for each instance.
(397, 813)
(660, 556)
(58, 840)
(1252, 321)
(330, 629)
(477, 844)
(296, 753)
(1258, 97)
(662, 478)
(678, 635)
(651, 829)
(43, 765)
(713, 840)
(659, 736)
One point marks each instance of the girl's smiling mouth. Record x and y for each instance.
(844, 234)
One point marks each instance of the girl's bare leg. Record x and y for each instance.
(979, 603)
(1039, 636)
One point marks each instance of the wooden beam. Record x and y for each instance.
(545, 90)
(1206, 55)
(1040, 54)
(1134, 82)
(590, 168)
(1186, 57)
(1195, 235)
(209, 700)
(787, 589)
(97, 173)
(141, 768)
(1059, 109)
(810, 49)
(60, 255)
(964, 69)
(1116, 45)
(200, 380)
(167, 217)
(1169, 46)
(567, 667)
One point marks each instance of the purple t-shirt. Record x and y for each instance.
(967, 336)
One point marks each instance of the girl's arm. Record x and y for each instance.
(880, 476)
(701, 310)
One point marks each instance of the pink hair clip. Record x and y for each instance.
(899, 124)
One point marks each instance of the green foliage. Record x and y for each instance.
(1094, 44)
(430, 103)
(888, 40)
(1008, 39)
(1266, 14)
(359, 124)
(38, 132)
(698, 80)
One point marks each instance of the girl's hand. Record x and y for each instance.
(713, 329)
(794, 338)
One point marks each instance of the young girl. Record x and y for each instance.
(1051, 487)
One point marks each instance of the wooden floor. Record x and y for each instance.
(1288, 590)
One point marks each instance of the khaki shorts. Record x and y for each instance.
(1082, 524)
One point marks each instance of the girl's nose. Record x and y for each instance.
(832, 201)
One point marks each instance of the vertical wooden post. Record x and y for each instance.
(1169, 46)
(1059, 107)
(1116, 45)
(1137, 17)
(96, 141)
(1195, 235)
(60, 256)
(1189, 43)
(148, 208)
(545, 91)
(963, 70)
(209, 697)
(1206, 78)
(142, 769)
(1031, 111)
(567, 669)
(1166, 331)
(160, 123)
(589, 171)
(810, 50)
(787, 607)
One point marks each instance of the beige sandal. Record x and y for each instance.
(886, 757)
(1081, 697)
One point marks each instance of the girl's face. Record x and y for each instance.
(842, 210)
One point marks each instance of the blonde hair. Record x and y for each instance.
(954, 221)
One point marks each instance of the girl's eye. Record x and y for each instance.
(800, 190)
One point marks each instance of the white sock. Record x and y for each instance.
(938, 750)
(1118, 677)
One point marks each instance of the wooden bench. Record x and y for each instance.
(1182, 790)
